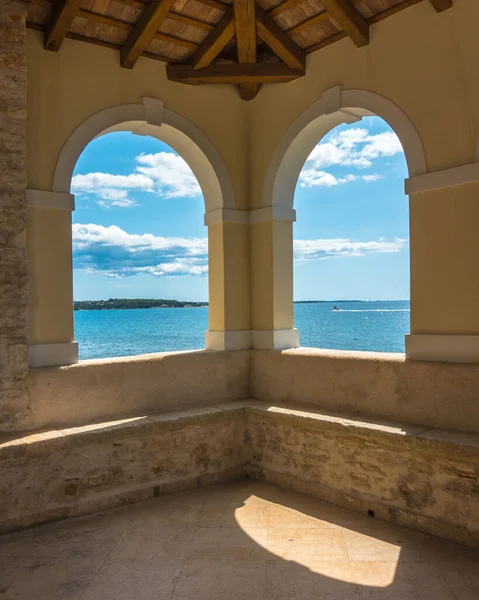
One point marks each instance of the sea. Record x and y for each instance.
(376, 326)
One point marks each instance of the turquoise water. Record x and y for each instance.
(377, 326)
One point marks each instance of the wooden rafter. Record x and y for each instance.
(349, 19)
(282, 7)
(216, 4)
(256, 73)
(190, 21)
(126, 26)
(96, 42)
(214, 43)
(149, 21)
(441, 5)
(245, 24)
(64, 13)
(271, 33)
(307, 23)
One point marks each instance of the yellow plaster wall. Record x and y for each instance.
(49, 250)
(445, 260)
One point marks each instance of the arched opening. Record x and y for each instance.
(336, 107)
(351, 241)
(205, 174)
(139, 244)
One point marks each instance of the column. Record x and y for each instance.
(272, 278)
(228, 278)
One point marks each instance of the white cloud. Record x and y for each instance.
(382, 144)
(112, 197)
(91, 182)
(372, 177)
(305, 250)
(171, 174)
(312, 178)
(354, 147)
(119, 254)
(164, 173)
(116, 253)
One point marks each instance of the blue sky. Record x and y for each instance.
(138, 225)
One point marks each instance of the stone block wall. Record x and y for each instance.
(13, 270)
(65, 473)
(421, 478)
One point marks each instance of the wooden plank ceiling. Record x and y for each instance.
(242, 42)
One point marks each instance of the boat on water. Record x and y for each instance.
(335, 308)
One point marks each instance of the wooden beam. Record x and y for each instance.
(349, 19)
(144, 31)
(190, 21)
(245, 23)
(282, 7)
(326, 42)
(126, 26)
(245, 19)
(271, 33)
(64, 13)
(89, 40)
(319, 18)
(441, 5)
(392, 11)
(214, 43)
(234, 74)
(216, 4)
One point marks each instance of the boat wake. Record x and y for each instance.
(357, 310)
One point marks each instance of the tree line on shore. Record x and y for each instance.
(133, 303)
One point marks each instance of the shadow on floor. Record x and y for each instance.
(237, 541)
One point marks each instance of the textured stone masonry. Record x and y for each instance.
(13, 270)
(421, 478)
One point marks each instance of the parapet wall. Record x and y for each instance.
(93, 391)
(370, 384)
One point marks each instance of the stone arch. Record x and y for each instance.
(336, 106)
(151, 118)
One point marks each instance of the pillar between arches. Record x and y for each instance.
(228, 280)
(272, 279)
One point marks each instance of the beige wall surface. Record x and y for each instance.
(375, 385)
(100, 390)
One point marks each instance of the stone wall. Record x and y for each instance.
(420, 478)
(64, 473)
(370, 384)
(103, 390)
(13, 272)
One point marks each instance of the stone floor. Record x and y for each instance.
(245, 540)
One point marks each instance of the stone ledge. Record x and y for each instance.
(58, 474)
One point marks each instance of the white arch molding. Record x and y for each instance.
(336, 106)
(151, 118)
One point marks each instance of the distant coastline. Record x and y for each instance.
(125, 303)
(129, 303)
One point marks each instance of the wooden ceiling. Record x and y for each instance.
(243, 42)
